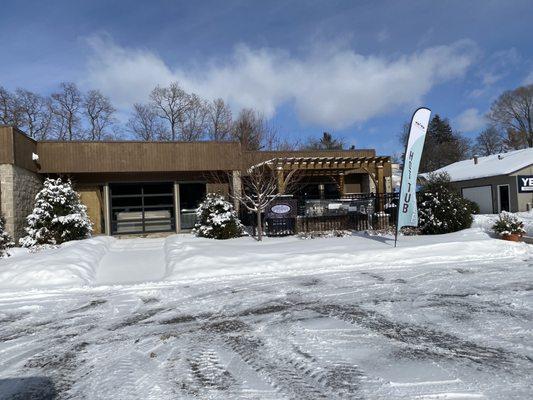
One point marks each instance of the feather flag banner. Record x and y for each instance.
(407, 208)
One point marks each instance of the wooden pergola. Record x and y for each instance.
(336, 167)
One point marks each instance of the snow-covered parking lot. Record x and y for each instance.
(446, 317)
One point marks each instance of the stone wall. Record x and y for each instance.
(18, 188)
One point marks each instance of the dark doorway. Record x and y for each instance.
(504, 200)
(142, 207)
(191, 195)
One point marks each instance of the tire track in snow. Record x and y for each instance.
(435, 343)
(283, 376)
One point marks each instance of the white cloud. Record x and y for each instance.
(383, 35)
(529, 79)
(332, 87)
(470, 120)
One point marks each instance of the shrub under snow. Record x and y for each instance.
(508, 224)
(216, 219)
(442, 209)
(58, 216)
(5, 239)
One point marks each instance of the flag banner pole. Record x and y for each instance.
(407, 208)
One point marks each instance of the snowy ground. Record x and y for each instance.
(446, 317)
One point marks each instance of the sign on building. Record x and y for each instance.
(282, 208)
(525, 183)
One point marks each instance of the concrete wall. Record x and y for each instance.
(18, 188)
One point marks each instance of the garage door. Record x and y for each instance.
(482, 195)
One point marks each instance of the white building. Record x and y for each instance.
(500, 182)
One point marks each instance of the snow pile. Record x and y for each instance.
(203, 258)
(486, 221)
(110, 261)
(71, 264)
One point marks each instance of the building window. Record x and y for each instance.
(142, 207)
(191, 195)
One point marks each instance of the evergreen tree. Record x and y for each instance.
(441, 208)
(58, 216)
(442, 146)
(217, 219)
(440, 130)
(326, 142)
(5, 239)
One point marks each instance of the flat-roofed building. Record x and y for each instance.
(142, 187)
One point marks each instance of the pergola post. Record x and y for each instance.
(380, 179)
(341, 184)
(281, 180)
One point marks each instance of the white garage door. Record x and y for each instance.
(482, 195)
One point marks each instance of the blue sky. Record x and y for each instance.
(354, 68)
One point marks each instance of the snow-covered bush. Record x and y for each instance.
(216, 219)
(508, 224)
(441, 209)
(58, 216)
(324, 234)
(5, 239)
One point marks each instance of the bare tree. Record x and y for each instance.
(66, 106)
(10, 113)
(193, 124)
(99, 113)
(490, 141)
(36, 111)
(251, 129)
(220, 120)
(171, 104)
(513, 111)
(514, 140)
(287, 145)
(260, 188)
(145, 123)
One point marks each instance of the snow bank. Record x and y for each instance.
(203, 258)
(486, 221)
(106, 260)
(72, 264)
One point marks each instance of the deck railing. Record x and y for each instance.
(357, 212)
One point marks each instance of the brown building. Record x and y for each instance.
(138, 187)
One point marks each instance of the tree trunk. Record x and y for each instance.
(259, 226)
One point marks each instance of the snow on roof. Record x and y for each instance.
(493, 165)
